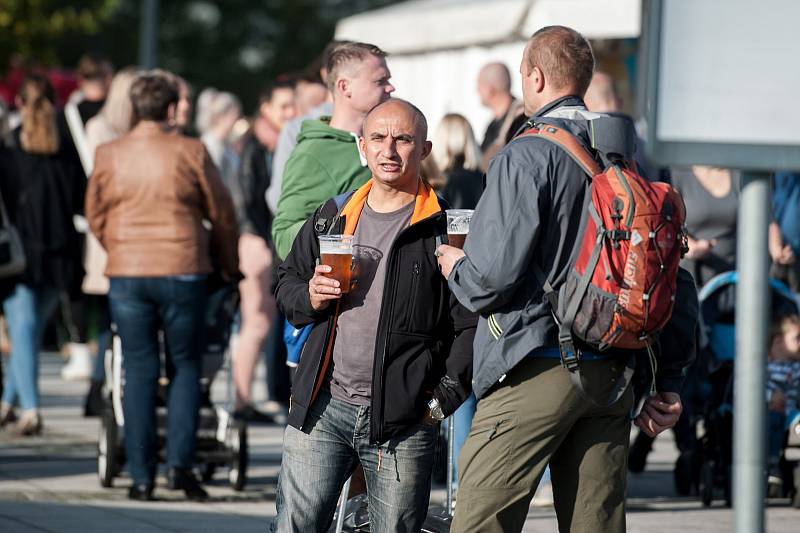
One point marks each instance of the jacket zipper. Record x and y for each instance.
(376, 404)
(414, 284)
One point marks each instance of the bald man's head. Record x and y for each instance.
(495, 76)
(394, 143)
(398, 105)
(602, 96)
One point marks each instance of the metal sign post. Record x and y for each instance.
(148, 34)
(752, 325)
(699, 113)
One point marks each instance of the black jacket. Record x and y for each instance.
(254, 177)
(41, 194)
(424, 341)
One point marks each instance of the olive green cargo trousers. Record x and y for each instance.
(536, 417)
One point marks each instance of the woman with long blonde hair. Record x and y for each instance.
(458, 155)
(42, 188)
(116, 117)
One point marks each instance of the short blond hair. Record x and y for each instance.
(347, 53)
(564, 56)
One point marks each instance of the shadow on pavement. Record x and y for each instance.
(127, 517)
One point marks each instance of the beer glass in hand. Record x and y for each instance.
(458, 226)
(336, 251)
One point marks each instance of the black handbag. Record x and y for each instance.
(12, 254)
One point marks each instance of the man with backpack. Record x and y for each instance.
(387, 357)
(574, 277)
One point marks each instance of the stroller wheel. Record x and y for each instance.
(107, 450)
(237, 475)
(707, 483)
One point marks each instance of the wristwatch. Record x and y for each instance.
(435, 410)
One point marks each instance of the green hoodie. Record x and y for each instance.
(324, 163)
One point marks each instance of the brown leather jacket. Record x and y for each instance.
(146, 201)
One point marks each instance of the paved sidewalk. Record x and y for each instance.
(49, 484)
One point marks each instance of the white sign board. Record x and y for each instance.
(723, 82)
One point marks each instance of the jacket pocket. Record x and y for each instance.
(408, 379)
(414, 289)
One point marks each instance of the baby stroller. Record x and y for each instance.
(220, 441)
(716, 355)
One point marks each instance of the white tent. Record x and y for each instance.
(437, 47)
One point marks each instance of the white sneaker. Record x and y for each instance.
(80, 365)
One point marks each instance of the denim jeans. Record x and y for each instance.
(140, 307)
(318, 460)
(27, 310)
(462, 419)
(776, 423)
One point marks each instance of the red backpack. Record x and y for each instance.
(621, 289)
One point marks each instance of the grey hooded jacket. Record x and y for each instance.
(532, 213)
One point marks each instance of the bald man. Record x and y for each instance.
(390, 353)
(494, 90)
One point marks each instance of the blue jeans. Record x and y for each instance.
(140, 307)
(462, 419)
(318, 460)
(776, 422)
(27, 310)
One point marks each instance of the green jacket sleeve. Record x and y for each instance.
(306, 184)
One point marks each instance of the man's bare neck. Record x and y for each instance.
(385, 199)
(347, 119)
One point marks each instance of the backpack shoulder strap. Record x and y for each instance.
(327, 214)
(569, 143)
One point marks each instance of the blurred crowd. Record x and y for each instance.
(142, 195)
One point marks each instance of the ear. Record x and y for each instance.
(362, 146)
(343, 86)
(537, 77)
(426, 150)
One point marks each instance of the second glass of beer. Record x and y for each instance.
(458, 226)
(336, 251)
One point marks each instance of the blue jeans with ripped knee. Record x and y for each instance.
(318, 460)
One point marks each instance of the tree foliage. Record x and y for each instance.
(235, 45)
(32, 30)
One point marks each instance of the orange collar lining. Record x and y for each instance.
(426, 205)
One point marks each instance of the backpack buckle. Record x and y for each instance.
(569, 355)
(618, 235)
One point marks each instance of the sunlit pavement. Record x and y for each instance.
(50, 484)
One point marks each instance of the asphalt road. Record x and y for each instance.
(49, 484)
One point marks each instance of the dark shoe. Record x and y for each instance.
(141, 492)
(183, 479)
(94, 400)
(251, 415)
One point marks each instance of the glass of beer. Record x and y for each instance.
(458, 226)
(336, 251)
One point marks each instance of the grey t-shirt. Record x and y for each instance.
(709, 217)
(354, 347)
